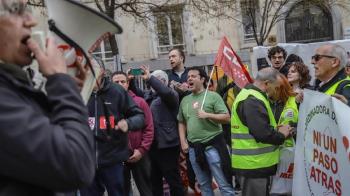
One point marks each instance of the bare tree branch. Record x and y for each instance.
(261, 18)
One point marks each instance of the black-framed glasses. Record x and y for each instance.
(317, 57)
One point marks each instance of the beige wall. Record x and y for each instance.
(207, 33)
(135, 39)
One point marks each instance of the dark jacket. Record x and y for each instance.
(284, 70)
(113, 101)
(173, 76)
(183, 79)
(164, 104)
(253, 114)
(45, 143)
(218, 142)
(342, 89)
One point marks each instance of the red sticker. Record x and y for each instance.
(103, 122)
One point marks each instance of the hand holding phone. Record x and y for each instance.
(136, 72)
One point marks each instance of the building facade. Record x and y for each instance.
(179, 25)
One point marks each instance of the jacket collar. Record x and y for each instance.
(251, 86)
(339, 76)
(15, 71)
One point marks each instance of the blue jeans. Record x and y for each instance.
(110, 178)
(204, 178)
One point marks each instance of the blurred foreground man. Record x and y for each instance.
(255, 135)
(329, 62)
(45, 142)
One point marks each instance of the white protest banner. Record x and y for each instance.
(322, 161)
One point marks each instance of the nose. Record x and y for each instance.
(29, 20)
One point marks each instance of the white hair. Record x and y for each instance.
(160, 74)
(268, 73)
(340, 53)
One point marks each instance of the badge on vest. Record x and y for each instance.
(92, 122)
(195, 105)
(289, 114)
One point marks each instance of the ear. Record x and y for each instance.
(265, 82)
(203, 80)
(335, 63)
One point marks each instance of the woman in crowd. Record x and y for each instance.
(299, 76)
(286, 113)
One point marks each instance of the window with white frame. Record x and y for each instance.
(169, 29)
(250, 17)
(104, 51)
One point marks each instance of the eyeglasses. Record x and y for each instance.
(317, 57)
(14, 7)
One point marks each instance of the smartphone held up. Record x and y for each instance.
(136, 72)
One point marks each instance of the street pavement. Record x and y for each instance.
(135, 192)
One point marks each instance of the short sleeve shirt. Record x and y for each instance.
(201, 130)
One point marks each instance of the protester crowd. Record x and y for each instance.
(52, 144)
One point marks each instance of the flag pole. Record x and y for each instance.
(206, 90)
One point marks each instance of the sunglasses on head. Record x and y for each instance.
(317, 57)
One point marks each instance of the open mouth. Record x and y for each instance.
(190, 84)
(25, 39)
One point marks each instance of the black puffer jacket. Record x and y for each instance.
(45, 142)
(113, 101)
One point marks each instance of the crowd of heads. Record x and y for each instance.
(327, 60)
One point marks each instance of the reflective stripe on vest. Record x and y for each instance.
(254, 151)
(241, 136)
(334, 87)
(246, 152)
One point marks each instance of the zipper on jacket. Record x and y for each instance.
(96, 130)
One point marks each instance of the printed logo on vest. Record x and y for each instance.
(289, 173)
(195, 105)
(289, 114)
